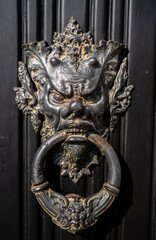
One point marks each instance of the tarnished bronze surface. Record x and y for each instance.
(73, 212)
(77, 89)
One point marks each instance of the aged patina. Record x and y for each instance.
(73, 91)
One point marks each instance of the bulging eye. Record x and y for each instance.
(55, 61)
(55, 97)
(92, 98)
(92, 61)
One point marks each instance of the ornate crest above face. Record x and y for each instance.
(76, 86)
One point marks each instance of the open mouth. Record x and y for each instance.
(76, 130)
(76, 135)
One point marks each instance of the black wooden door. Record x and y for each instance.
(133, 215)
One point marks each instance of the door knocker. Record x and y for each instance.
(73, 91)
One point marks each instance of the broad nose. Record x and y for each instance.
(76, 106)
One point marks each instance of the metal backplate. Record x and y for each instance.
(73, 91)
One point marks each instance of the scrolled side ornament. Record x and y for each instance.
(74, 92)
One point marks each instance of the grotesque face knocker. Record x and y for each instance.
(74, 86)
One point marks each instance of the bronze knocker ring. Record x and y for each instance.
(73, 212)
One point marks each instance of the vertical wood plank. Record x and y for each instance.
(117, 20)
(76, 8)
(49, 15)
(101, 23)
(98, 21)
(139, 119)
(31, 210)
(10, 195)
(153, 185)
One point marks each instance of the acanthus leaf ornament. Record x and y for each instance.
(79, 90)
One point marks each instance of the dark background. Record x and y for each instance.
(133, 215)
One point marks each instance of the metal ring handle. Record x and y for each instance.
(73, 212)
